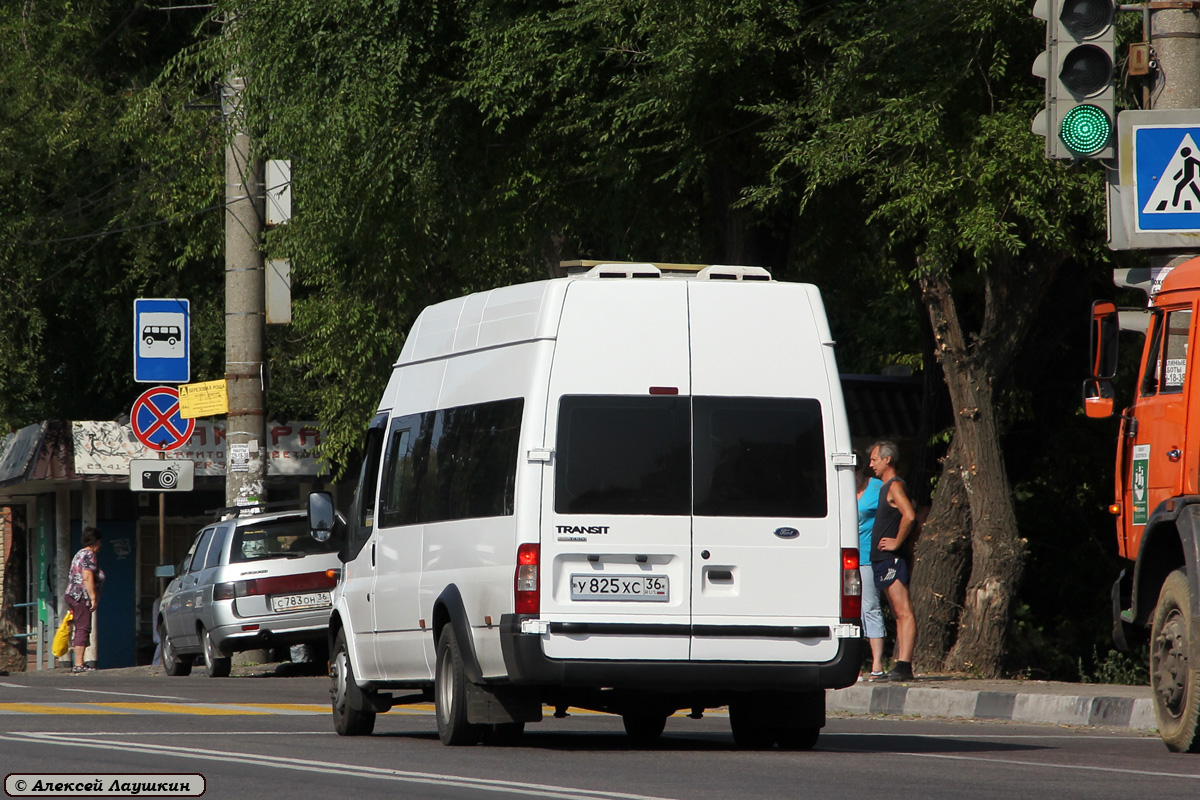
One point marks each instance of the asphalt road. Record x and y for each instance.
(268, 737)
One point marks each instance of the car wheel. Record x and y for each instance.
(643, 728)
(216, 665)
(173, 664)
(749, 729)
(353, 715)
(450, 694)
(1175, 682)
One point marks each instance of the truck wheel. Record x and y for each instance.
(450, 694)
(644, 728)
(353, 715)
(216, 665)
(173, 664)
(749, 728)
(1175, 682)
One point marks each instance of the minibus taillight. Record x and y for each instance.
(851, 585)
(526, 581)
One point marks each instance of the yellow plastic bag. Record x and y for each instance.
(62, 637)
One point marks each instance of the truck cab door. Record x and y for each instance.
(1154, 446)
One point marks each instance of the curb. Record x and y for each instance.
(1055, 707)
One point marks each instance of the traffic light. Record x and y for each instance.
(1080, 117)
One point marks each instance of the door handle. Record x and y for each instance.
(1174, 454)
(372, 554)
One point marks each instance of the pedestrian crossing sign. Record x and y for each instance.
(1167, 174)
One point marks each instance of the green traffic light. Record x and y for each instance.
(1086, 130)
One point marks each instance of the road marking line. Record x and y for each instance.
(307, 765)
(127, 694)
(38, 708)
(1040, 764)
(179, 708)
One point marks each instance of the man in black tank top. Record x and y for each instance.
(894, 521)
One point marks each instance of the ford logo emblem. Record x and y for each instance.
(787, 533)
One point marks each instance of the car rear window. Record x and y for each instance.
(279, 538)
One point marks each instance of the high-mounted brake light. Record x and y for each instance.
(664, 390)
(851, 586)
(526, 580)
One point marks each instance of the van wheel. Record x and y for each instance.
(216, 665)
(804, 738)
(644, 728)
(749, 729)
(1175, 682)
(450, 694)
(353, 714)
(173, 665)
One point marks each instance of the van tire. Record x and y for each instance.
(450, 694)
(1175, 682)
(353, 712)
(216, 665)
(173, 664)
(644, 728)
(750, 730)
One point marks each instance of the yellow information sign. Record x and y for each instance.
(203, 399)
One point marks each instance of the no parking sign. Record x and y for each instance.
(156, 421)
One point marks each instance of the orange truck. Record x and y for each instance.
(1156, 599)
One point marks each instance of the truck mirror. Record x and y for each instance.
(321, 515)
(1098, 398)
(1106, 327)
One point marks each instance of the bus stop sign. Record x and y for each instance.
(161, 341)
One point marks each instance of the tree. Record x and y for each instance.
(936, 140)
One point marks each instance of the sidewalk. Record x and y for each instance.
(1095, 704)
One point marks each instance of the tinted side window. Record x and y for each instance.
(200, 550)
(362, 511)
(213, 558)
(457, 463)
(623, 455)
(761, 457)
(404, 469)
(473, 461)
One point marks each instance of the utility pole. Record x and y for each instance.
(245, 477)
(1175, 43)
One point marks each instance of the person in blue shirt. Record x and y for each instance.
(872, 613)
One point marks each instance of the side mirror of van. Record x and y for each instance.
(1098, 398)
(165, 571)
(321, 515)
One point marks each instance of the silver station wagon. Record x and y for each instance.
(251, 582)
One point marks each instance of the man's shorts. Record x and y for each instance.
(889, 571)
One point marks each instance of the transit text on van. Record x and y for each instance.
(583, 529)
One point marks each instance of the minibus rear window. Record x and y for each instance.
(623, 455)
(753, 457)
(759, 457)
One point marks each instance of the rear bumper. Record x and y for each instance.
(527, 665)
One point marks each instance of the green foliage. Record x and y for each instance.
(1129, 669)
